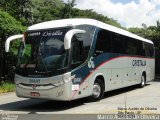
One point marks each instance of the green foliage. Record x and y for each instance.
(9, 25)
(34, 11)
(45, 10)
(7, 87)
(151, 32)
(92, 14)
(20, 9)
(14, 46)
(136, 30)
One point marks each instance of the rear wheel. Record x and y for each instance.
(97, 91)
(143, 81)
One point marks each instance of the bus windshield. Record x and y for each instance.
(43, 53)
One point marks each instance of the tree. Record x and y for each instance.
(8, 26)
(20, 9)
(45, 10)
(90, 13)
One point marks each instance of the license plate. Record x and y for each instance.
(34, 94)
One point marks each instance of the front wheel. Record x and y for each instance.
(97, 91)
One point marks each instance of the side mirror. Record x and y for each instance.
(14, 37)
(69, 35)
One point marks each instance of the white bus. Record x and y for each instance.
(75, 58)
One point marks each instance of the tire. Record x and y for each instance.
(98, 91)
(143, 81)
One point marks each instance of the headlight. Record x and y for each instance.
(58, 83)
(69, 79)
(61, 82)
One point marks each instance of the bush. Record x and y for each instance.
(7, 87)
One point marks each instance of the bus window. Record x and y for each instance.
(77, 51)
(118, 44)
(103, 43)
(151, 50)
(147, 49)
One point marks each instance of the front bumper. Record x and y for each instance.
(61, 93)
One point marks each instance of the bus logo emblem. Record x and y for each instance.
(91, 63)
(34, 86)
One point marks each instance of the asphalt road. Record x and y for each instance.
(134, 99)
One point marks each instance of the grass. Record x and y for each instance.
(7, 87)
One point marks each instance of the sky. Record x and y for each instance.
(129, 13)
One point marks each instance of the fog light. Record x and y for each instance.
(59, 94)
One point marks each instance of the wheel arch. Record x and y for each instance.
(144, 73)
(101, 77)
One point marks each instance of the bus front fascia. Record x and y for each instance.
(14, 37)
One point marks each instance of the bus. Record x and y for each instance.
(70, 59)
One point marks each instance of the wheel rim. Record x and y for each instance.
(143, 81)
(96, 90)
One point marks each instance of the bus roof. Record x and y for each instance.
(84, 21)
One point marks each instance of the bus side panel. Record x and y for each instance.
(118, 71)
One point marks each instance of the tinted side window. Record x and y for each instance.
(77, 50)
(146, 47)
(134, 47)
(103, 42)
(118, 43)
(149, 49)
(108, 41)
(140, 49)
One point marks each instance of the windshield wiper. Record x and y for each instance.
(43, 60)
